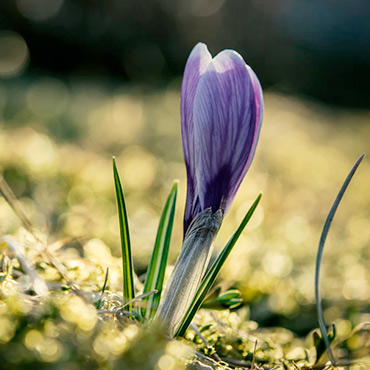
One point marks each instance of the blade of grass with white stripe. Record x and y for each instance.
(212, 274)
(127, 265)
(156, 270)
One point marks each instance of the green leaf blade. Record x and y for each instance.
(213, 272)
(127, 264)
(158, 262)
(320, 251)
(226, 300)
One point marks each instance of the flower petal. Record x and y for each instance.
(227, 113)
(196, 65)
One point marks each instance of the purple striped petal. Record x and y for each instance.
(256, 123)
(220, 129)
(196, 65)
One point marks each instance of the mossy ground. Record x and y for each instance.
(78, 327)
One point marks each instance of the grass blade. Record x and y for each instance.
(98, 306)
(127, 265)
(320, 251)
(212, 274)
(156, 270)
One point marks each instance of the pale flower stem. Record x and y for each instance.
(189, 269)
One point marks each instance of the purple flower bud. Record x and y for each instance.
(221, 117)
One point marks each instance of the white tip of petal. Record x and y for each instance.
(199, 49)
(226, 60)
(200, 52)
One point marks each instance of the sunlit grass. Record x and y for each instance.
(56, 144)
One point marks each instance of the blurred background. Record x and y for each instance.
(81, 81)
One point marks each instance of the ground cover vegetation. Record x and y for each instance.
(60, 308)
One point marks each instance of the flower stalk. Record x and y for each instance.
(189, 269)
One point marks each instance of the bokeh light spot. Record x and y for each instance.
(205, 8)
(14, 54)
(138, 168)
(47, 97)
(38, 152)
(166, 362)
(124, 117)
(277, 264)
(39, 10)
(297, 230)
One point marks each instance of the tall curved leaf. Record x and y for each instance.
(127, 265)
(156, 270)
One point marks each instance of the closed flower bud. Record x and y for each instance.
(221, 116)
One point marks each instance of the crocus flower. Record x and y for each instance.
(221, 116)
